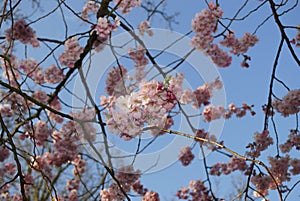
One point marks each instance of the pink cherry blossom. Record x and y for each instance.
(115, 81)
(85, 128)
(295, 164)
(144, 27)
(211, 113)
(151, 196)
(290, 104)
(10, 68)
(195, 191)
(72, 52)
(279, 168)
(4, 153)
(90, 6)
(23, 32)
(104, 28)
(53, 74)
(127, 177)
(262, 184)
(125, 6)
(239, 46)
(186, 156)
(262, 142)
(138, 56)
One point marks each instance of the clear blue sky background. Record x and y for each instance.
(242, 85)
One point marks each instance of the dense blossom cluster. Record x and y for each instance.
(151, 196)
(138, 56)
(104, 28)
(239, 46)
(227, 168)
(262, 183)
(90, 6)
(126, 177)
(50, 75)
(4, 153)
(65, 145)
(262, 141)
(40, 132)
(196, 191)
(290, 104)
(73, 185)
(205, 24)
(125, 6)
(201, 133)
(279, 168)
(280, 172)
(186, 156)
(292, 141)
(72, 52)
(128, 114)
(144, 27)
(10, 66)
(23, 32)
(212, 112)
(202, 95)
(84, 124)
(115, 81)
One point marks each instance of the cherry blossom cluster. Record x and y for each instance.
(65, 145)
(73, 185)
(115, 80)
(296, 40)
(239, 46)
(292, 141)
(280, 172)
(227, 168)
(138, 56)
(41, 164)
(40, 132)
(202, 95)
(72, 52)
(17, 104)
(125, 6)
(201, 133)
(151, 196)
(90, 6)
(127, 115)
(126, 177)
(104, 28)
(56, 105)
(205, 25)
(212, 112)
(50, 75)
(195, 191)
(144, 27)
(4, 153)
(290, 104)
(139, 189)
(6, 111)
(279, 168)
(262, 183)
(186, 155)
(262, 141)
(84, 124)
(295, 164)
(10, 68)
(23, 32)
(8, 168)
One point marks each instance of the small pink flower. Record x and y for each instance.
(186, 156)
